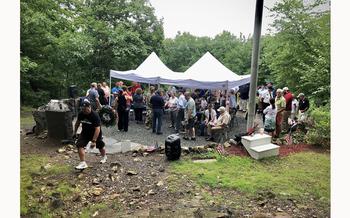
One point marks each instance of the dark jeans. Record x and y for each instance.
(173, 117)
(180, 117)
(264, 105)
(202, 127)
(157, 120)
(138, 114)
(123, 122)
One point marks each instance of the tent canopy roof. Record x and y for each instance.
(206, 73)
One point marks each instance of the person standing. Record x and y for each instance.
(295, 106)
(303, 107)
(286, 114)
(91, 132)
(190, 115)
(101, 94)
(270, 117)
(106, 90)
(181, 111)
(148, 120)
(93, 96)
(265, 98)
(172, 105)
(157, 103)
(280, 106)
(123, 121)
(138, 105)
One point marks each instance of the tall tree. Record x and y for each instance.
(299, 54)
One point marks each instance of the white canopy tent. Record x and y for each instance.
(206, 73)
(209, 73)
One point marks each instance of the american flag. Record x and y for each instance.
(221, 149)
(289, 139)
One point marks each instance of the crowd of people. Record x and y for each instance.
(199, 109)
(206, 111)
(280, 109)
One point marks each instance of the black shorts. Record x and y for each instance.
(190, 123)
(82, 142)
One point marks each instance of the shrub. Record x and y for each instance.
(320, 131)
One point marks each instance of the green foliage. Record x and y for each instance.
(298, 55)
(320, 130)
(183, 51)
(77, 42)
(293, 175)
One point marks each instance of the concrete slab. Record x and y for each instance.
(112, 146)
(204, 161)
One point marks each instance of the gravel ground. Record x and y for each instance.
(138, 133)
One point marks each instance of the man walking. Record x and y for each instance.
(91, 131)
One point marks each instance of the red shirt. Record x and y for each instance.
(289, 98)
(133, 89)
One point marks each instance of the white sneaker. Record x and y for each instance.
(104, 159)
(82, 165)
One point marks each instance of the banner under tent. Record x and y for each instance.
(206, 73)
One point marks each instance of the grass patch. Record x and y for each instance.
(90, 210)
(31, 183)
(26, 118)
(293, 175)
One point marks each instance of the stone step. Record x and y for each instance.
(263, 151)
(256, 140)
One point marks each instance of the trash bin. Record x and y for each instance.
(173, 147)
(59, 121)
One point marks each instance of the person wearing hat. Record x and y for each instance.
(280, 106)
(303, 107)
(91, 132)
(288, 96)
(222, 123)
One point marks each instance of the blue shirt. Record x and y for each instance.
(182, 102)
(115, 90)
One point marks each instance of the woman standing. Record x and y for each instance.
(122, 112)
(172, 105)
(280, 106)
(270, 117)
(138, 105)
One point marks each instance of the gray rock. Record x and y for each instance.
(131, 173)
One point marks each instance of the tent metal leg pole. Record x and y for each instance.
(110, 87)
(254, 64)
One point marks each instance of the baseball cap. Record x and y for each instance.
(222, 109)
(86, 103)
(285, 89)
(301, 94)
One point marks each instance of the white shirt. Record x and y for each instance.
(269, 112)
(212, 114)
(172, 103)
(182, 102)
(267, 96)
(295, 105)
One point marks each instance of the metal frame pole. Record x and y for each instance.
(254, 64)
(110, 88)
